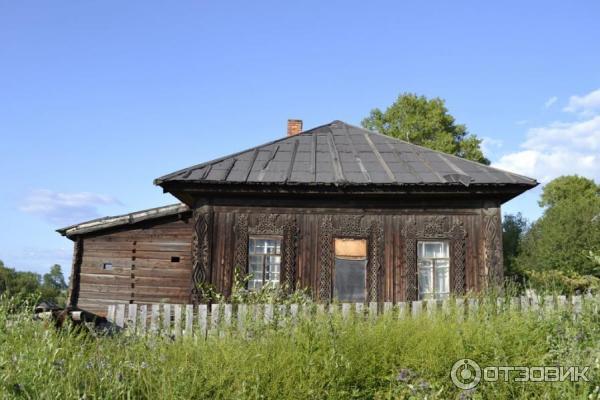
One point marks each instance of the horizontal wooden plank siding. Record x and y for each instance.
(151, 263)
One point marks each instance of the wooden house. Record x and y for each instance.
(351, 214)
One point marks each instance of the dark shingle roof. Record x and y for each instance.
(342, 154)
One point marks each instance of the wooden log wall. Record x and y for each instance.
(150, 263)
(478, 244)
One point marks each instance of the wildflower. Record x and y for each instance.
(405, 375)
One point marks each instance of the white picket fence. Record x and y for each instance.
(217, 319)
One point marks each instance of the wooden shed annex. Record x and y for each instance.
(350, 214)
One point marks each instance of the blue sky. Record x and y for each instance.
(99, 98)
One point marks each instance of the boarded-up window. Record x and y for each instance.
(350, 270)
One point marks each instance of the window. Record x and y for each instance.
(349, 282)
(175, 259)
(107, 266)
(434, 269)
(264, 260)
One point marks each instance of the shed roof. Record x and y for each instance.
(122, 220)
(340, 154)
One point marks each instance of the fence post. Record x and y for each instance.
(401, 310)
(268, 314)
(293, 313)
(110, 315)
(189, 319)
(131, 317)
(143, 322)
(515, 303)
(430, 307)
(416, 307)
(577, 305)
(473, 307)
(525, 304)
(202, 320)
(373, 310)
(227, 316)
(177, 324)
(120, 317)
(214, 318)
(166, 319)
(548, 303)
(154, 318)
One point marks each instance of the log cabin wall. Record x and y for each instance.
(474, 231)
(146, 263)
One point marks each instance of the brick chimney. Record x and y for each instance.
(294, 127)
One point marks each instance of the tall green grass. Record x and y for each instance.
(318, 358)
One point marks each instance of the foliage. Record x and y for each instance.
(22, 284)
(565, 187)
(556, 281)
(569, 228)
(426, 122)
(514, 227)
(317, 358)
(266, 294)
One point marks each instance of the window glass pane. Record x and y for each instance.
(425, 280)
(442, 281)
(350, 280)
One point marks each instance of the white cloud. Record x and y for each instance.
(488, 145)
(65, 208)
(586, 105)
(550, 102)
(559, 148)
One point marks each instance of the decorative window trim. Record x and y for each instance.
(268, 224)
(350, 226)
(201, 249)
(434, 227)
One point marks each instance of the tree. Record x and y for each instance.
(23, 284)
(426, 122)
(514, 227)
(567, 231)
(565, 187)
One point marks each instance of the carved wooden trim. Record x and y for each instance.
(434, 227)
(375, 259)
(350, 226)
(269, 224)
(493, 269)
(326, 262)
(75, 272)
(240, 230)
(290, 243)
(201, 248)
(409, 232)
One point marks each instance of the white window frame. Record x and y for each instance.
(265, 264)
(434, 264)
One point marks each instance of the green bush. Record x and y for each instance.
(317, 358)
